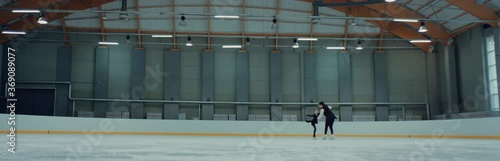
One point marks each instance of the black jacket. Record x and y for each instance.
(328, 113)
(315, 118)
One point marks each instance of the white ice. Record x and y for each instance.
(167, 148)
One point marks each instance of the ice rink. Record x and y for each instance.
(170, 148)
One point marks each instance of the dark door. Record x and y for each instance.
(35, 102)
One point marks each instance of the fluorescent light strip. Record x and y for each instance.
(25, 11)
(161, 35)
(335, 48)
(232, 46)
(108, 43)
(307, 39)
(420, 41)
(225, 16)
(404, 20)
(14, 32)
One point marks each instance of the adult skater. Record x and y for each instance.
(314, 121)
(330, 118)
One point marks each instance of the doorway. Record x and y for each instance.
(35, 101)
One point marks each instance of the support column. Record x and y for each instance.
(451, 80)
(172, 83)
(433, 96)
(276, 75)
(381, 90)
(137, 83)
(101, 80)
(242, 84)
(63, 74)
(345, 85)
(208, 83)
(310, 81)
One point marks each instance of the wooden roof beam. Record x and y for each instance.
(9, 16)
(481, 11)
(396, 11)
(30, 22)
(397, 29)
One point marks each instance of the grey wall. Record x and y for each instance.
(470, 66)
(407, 80)
(406, 72)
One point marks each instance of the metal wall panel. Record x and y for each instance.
(101, 80)
(137, 83)
(310, 77)
(208, 83)
(345, 85)
(172, 83)
(451, 79)
(242, 84)
(310, 82)
(381, 88)
(345, 113)
(276, 75)
(345, 79)
(63, 73)
(382, 113)
(380, 71)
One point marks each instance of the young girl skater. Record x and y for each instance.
(314, 121)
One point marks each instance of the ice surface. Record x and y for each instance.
(166, 148)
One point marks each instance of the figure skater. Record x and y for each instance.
(314, 121)
(330, 118)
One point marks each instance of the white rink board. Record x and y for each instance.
(480, 126)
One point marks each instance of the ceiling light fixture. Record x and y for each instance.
(390, 1)
(295, 44)
(123, 14)
(422, 28)
(183, 21)
(359, 47)
(247, 42)
(275, 23)
(189, 42)
(42, 20)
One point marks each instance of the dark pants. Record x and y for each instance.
(329, 124)
(314, 126)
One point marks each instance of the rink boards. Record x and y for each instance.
(480, 128)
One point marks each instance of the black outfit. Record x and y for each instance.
(313, 122)
(330, 119)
